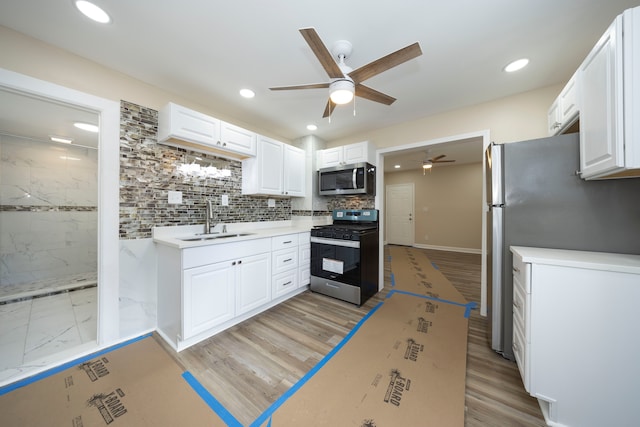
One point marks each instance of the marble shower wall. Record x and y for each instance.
(48, 211)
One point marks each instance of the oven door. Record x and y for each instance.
(335, 259)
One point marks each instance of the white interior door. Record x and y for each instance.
(400, 214)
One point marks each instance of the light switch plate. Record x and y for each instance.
(175, 197)
(271, 203)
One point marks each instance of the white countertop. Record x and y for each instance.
(623, 263)
(172, 236)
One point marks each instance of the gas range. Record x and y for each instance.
(344, 256)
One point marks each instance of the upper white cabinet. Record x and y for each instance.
(236, 139)
(609, 102)
(183, 127)
(277, 170)
(346, 155)
(564, 110)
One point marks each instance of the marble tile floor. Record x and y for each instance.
(34, 332)
(44, 287)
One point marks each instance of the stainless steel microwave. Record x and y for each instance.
(347, 180)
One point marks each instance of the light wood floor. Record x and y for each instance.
(249, 366)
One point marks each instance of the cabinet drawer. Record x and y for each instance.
(522, 272)
(520, 352)
(282, 242)
(284, 260)
(519, 305)
(284, 283)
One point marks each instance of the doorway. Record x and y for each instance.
(399, 214)
(51, 191)
(479, 141)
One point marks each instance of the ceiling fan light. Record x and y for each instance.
(341, 91)
(427, 165)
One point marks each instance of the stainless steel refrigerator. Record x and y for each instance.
(536, 199)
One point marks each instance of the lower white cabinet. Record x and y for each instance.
(205, 289)
(576, 336)
(208, 296)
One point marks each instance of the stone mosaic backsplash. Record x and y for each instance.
(148, 171)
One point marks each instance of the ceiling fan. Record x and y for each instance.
(428, 163)
(344, 81)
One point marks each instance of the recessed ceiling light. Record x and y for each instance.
(397, 166)
(87, 126)
(312, 127)
(60, 139)
(93, 12)
(516, 65)
(247, 93)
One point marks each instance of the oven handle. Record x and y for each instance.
(336, 242)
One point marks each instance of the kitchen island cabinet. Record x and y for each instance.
(575, 334)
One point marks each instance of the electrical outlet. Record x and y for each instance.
(175, 197)
(224, 200)
(271, 203)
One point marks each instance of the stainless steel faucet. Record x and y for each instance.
(208, 217)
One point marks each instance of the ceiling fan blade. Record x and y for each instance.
(443, 161)
(436, 158)
(328, 110)
(386, 62)
(322, 53)
(309, 86)
(373, 95)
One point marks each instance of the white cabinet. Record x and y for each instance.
(564, 110)
(182, 127)
(277, 170)
(304, 258)
(346, 155)
(236, 139)
(610, 102)
(575, 334)
(208, 297)
(284, 264)
(202, 289)
(252, 289)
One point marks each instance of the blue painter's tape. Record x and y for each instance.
(269, 412)
(393, 280)
(468, 306)
(435, 265)
(216, 406)
(25, 382)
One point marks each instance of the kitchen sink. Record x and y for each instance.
(214, 236)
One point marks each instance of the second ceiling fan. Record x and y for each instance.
(344, 81)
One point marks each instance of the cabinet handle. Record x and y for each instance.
(516, 305)
(516, 347)
(233, 263)
(287, 284)
(287, 260)
(516, 269)
(287, 242)
(240, 262)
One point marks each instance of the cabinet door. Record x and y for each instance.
(356, 153)
(553, 118)
(294, 171)
(601, 121)
(253, 287)
(331, 157)
(237, 139)
(304, 264)
(178, 122)
(271, 168)
(208, 297)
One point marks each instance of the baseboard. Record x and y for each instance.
(449, 249)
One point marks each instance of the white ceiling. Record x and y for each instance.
(207, 50)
